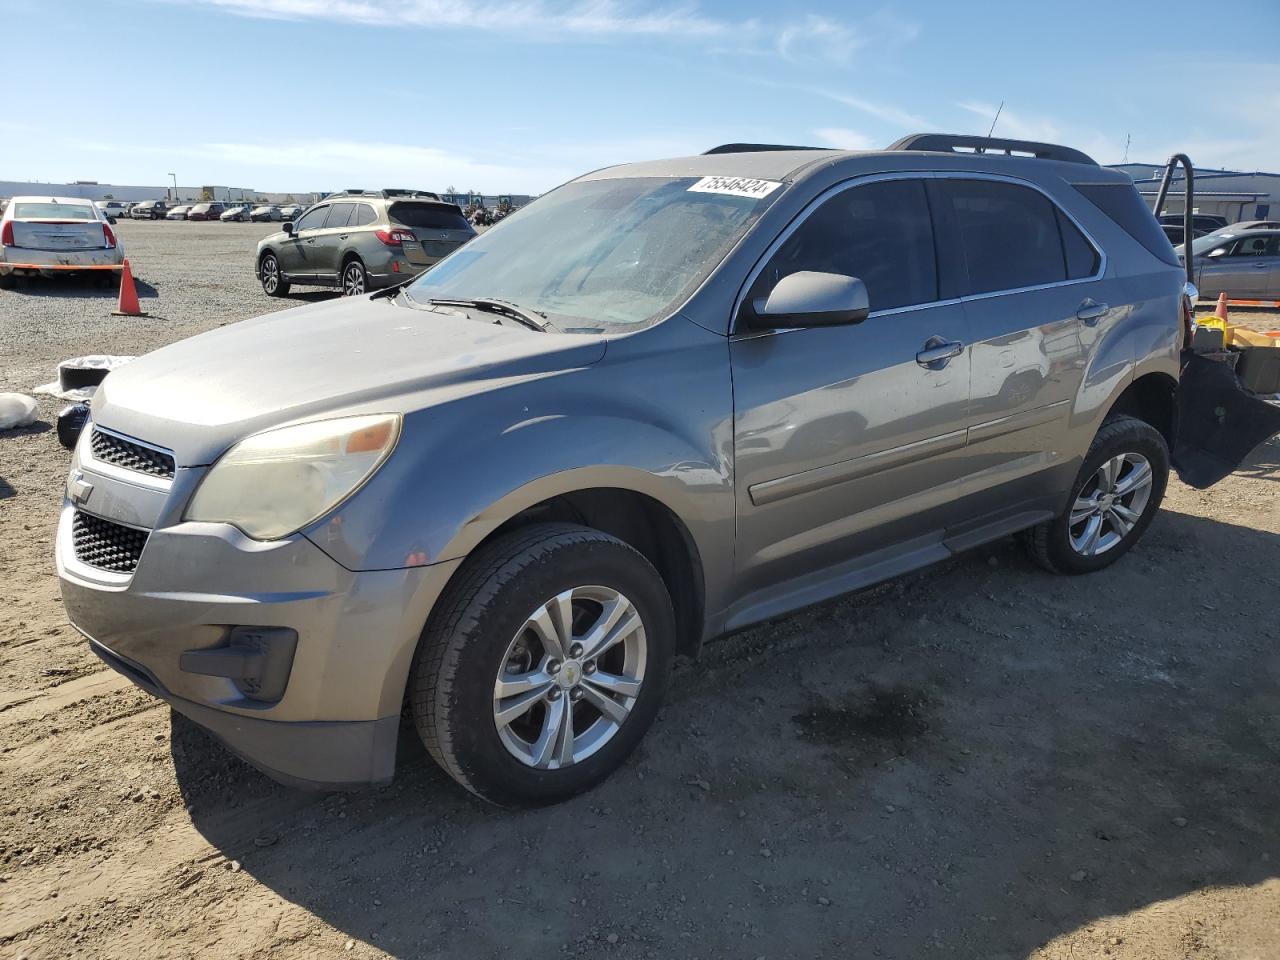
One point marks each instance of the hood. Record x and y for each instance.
(199, 396)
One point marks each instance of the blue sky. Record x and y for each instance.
(520, 95)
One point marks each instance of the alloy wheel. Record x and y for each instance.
(270, 274)
(1110, 504)
(570, 677)
(353, 280)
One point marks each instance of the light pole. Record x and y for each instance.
(175, 187)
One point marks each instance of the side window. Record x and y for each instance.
(339, 215)
(1009, 233)
(364, 215)
(1253, 247)
(1082, 258)
(312, 219)
(880, 233)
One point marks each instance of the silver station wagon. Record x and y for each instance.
(661, 403)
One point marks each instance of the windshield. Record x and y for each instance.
(614, 251)
(54, 211)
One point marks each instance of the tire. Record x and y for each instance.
(354, 281)
(269, 275)
(482, 630)
(1125, 450)
(7, 281)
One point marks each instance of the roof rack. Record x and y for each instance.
(959, 143)
(753, 148)
(386, 193)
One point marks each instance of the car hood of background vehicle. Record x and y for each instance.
(199, 396)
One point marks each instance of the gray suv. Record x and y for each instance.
(663, 402)
(361, 240)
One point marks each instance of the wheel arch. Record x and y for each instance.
(1151, 398)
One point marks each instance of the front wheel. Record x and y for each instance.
(543, 665)
(273, 281)
(1116, 494)
(354, 279)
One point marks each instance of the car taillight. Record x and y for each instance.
(395, 236)
(6, 234)
(108, 238)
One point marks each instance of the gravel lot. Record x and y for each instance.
(980, 760)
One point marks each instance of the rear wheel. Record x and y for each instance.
(1116, 494)
(7, 281)
(543, 665)
(354, 280)
(273, 281)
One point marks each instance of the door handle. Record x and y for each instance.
(1261, 266)
(1091, 311)
(936, 352)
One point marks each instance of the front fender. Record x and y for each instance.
(651, 419)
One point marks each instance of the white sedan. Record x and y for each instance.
(48, 236)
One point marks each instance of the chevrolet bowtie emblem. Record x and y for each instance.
(78, 488)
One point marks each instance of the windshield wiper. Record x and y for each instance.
(532, 319)
(391, 291)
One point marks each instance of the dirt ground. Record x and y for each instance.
(977, 761)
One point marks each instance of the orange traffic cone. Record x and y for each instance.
(128, 306)
(1221, 312)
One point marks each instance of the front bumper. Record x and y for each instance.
(337, 720)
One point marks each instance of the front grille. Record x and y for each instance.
(108, 448)
(106, 545)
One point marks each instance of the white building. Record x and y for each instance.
(1227, 193)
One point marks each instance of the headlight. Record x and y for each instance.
(275, 483)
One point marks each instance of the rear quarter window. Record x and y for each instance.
(1122, 204)
(428, 216)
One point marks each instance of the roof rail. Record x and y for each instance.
(959, 143)
(385, 194)
(754, 148)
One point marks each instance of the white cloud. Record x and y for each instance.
(898, 117)
(843, 138)
(809, 37)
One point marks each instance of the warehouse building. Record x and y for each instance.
(1233, 194)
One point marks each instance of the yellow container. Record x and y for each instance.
(1227, 328)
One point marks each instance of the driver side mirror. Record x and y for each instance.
(287, 227)
(811, 299)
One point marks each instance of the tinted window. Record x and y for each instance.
(1082, 258)
(1009, 235)
(880, 233)
(364, 215)
(313, 219)
(1120, 202)
(340, 215)
(428, 216)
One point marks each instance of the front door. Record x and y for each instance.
(845, 437)
(1243, 268)
(330, 240)
(298, 252)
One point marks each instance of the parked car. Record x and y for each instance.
(361, 241)
(1243, 265)
(206, 211)
(179, 212)
(112, 209)
(665, 401)
(1175, 233)
(238, 214)
(265, 213)
(291, 211)
(1204, 222)
(149, 210)
(51, 236)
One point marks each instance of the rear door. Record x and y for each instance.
(1036, 301)
(330, 240)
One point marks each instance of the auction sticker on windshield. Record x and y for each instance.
(736, 186)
